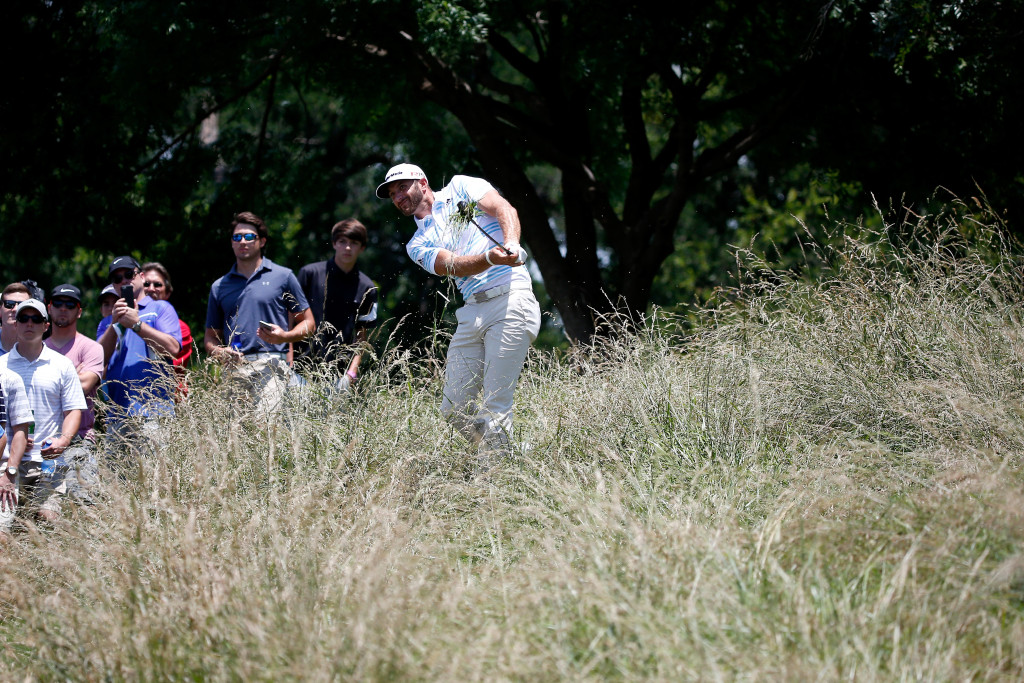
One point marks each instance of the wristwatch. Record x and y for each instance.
(137, 327)
(12, 472)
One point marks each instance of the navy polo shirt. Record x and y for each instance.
(237, 305)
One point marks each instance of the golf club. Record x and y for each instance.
(462, 206)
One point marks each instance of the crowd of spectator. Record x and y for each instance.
(51, 373)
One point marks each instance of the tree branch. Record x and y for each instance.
(205, 115)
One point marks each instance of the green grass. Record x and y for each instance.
(821, 482)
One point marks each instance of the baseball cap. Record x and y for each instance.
(400, 172)
(124, 262)
(34, 304)
(66, 291)
(109, 291)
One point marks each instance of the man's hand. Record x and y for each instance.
(56, 446)
(499, 257)
(274, 335)
(124, 315)
(8, 491)
(226, 355)
(515, 248)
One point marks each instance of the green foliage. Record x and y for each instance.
(453, 29)
(636, 144)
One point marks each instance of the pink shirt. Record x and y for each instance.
(84, 354)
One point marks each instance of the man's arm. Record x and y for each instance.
(90, 370)
(213, 342)
(108, 340)
(493, 204)
(89, 379)
(353, 367)
(303, 325)
(19, 439)
(447, 263)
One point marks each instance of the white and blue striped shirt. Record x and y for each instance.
(439, 231)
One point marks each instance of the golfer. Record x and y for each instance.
(500, 318)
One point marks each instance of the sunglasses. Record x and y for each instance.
(247, 236)
(118, 278)
(64, 304)
(35, 317)
(154, 284)
(10, 304)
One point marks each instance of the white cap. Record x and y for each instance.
(34, 304)
(400, 172)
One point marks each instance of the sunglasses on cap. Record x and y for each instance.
(119, 277)
(10, 304)
(247, 236)
(64, 303)
(34, 317)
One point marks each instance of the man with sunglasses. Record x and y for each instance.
(13, 294)
(253, 313)
(79, 461)
(56, 399)
(138, 344)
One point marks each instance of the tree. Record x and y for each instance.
(618, 130)
(642, 111)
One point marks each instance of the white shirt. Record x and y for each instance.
(445, 229)
(15, 399)
(52, 386)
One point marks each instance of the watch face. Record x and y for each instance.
(12, 471)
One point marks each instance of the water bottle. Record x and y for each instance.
(47, 466)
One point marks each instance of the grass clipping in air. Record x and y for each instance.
(821, 481)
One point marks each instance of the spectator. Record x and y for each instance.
(253, 313)
(108, 297)
(78, 464)
(34, 290)
(13, 294)
(140, 341)
(55, 397)
(343, 300)
(157, 286)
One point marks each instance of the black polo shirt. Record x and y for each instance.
(346, 301)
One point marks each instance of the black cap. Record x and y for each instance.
(124, 262)
(66, 291)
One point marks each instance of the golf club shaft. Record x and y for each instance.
(462, 209)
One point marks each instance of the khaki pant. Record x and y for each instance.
(34, 491)
(262, 380)
(485, 358)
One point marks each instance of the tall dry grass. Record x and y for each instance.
(821, 482)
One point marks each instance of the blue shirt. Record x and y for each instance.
(237, 305)
(138, 379)
(445, 229)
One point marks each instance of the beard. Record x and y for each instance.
(63, 323)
